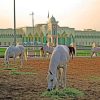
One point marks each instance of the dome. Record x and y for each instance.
(52, 19)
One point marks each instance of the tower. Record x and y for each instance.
(52, 31)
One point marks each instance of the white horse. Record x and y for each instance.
(95, 50)
(46, 50)
(57, 67)
(14, 51)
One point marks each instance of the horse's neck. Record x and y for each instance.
(53, 68)
(93, 45)
(50, 49)
(53, 71)
(6, 55)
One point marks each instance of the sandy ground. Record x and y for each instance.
(82, 73)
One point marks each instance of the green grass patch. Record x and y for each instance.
(9, 69)
(73, 92)
(37, 52)
(59, 94)
(2, 49)
(2, 52)
(83, 52)
(8, 64)
(21, 73)
(94, 78)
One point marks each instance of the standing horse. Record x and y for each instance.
(14, 51)
(57, 67)
(46, 49)
(71, 51)
(95, 50)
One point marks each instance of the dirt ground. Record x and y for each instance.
(82, 73)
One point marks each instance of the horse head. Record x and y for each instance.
(6, 59)
(52, 80)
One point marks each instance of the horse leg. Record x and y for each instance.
(92, 54)
(96, 54)
(61, 77)
(21, 59)
(72, 55)
(58, 78)
(14, 60)
(7, 61)
(64, 75)
(44, 55)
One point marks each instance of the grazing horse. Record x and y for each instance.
(46, 49)
(95, 50)
(71, 51)
(57, 67)
(14, 51)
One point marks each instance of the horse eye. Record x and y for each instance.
(51, 80)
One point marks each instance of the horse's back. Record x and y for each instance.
(14, 50)
(60, 57)
(10, 50)
(21, 47)
(95, 49)
(61, 53)
(62, 49)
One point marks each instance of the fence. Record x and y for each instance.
(34, 51)
(30, 51)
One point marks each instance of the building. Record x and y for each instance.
(50, 32)
(86, 38)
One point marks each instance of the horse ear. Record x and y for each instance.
(50, 72)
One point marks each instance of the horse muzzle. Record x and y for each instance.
(48, 89)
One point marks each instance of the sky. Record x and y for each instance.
(78, 14)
